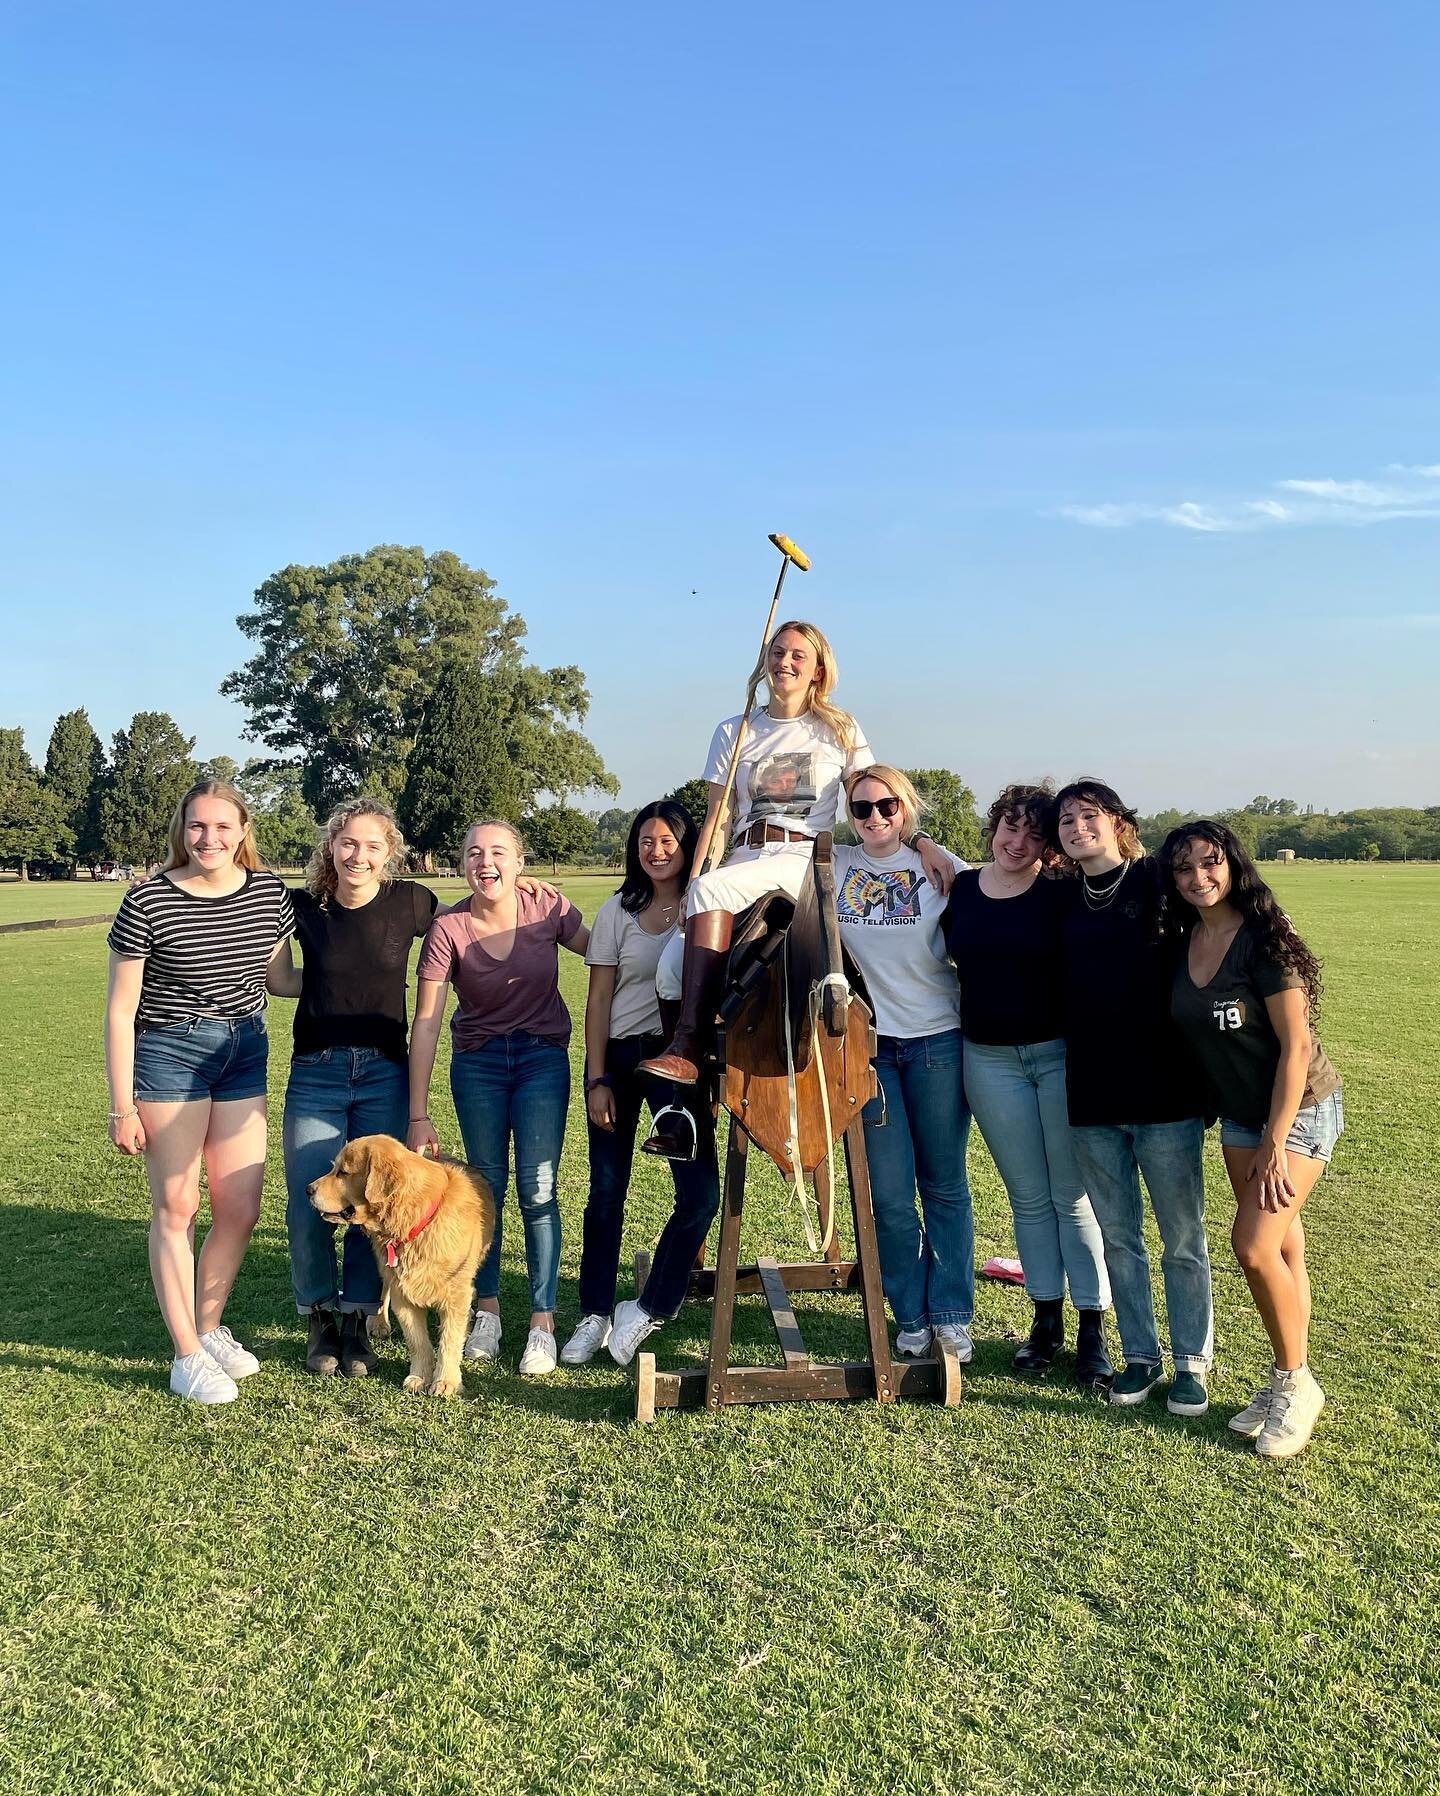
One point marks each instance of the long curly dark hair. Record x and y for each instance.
(1249, 894)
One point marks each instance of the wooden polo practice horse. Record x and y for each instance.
(795, 1046)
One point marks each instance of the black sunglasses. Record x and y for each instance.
(860, 808)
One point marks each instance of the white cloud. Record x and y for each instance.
(1307, 501)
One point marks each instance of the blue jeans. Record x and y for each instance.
(1112, 1157)
(1018, 1096)
(919, 1138)
(335, 1096)
(517, 1087)
(612, 1151)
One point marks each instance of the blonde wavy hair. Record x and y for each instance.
(840, 723)
(320, 875)
(911, 803)
(177, 855)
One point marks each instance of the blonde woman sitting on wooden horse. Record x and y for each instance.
(794, 752)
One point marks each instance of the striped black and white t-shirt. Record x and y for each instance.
(203, 956)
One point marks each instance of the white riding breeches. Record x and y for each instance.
(749, 874)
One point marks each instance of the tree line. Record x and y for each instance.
(403, 674)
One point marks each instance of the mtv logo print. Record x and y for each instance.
(869, 897)
(783, 785)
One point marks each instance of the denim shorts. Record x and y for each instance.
(204, 1057)
(1313, 1133)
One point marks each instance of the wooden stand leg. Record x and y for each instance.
(867, 1253)
(642, 1272)
(644, 1387)
(727, 1256)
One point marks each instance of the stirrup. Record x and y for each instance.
(650, 1144)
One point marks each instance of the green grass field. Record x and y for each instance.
(332, 1587)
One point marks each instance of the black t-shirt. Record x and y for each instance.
(1231, 1036)
(1125, 1060)
(1007, 956)
(355, 968)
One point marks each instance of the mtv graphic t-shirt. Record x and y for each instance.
(890, 922)
(790, 770)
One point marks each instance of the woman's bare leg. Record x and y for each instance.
(174, 1135)
(235, 1172)
(1273, 1263)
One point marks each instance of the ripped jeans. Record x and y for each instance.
(517, 1088)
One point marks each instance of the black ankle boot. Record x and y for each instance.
(1092, 1363)
(356, 1358)
(1047, 1337)
(322, 1349)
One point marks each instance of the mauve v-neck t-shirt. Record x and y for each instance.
(499, 997)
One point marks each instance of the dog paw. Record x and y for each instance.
(378, 1328)
(442, 1387)
(414, 1383)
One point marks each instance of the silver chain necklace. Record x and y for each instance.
(1101, 899)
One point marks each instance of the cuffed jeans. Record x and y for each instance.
(612, 1151)
(1018, 1097)
(517, 1087)
(335, 1096)
(919, 1138)
(1112, 1158)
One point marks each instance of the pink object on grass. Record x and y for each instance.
(1009, 1272)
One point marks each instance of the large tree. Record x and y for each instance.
(75, 777)
(462, 765)
(693, 796)
(32, 818)
(150, 771)
(948, 811)
(349, 655)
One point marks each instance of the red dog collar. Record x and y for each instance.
(392, 1247)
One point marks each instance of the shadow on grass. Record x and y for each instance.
(80, 1284)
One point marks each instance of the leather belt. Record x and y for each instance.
(760, 833)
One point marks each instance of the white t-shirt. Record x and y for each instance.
(890, 921)
(789, 773)
(617, 940)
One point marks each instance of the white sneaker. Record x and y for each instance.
(538, 1359)
(483, 1340)
(1250, 1420)
(1295, 1404)
(228, 1354)
(958, 1336)
(630, 1327)
(913, 1341)
(198, 1377)
(587, 1340)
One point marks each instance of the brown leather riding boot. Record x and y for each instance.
(707, 944)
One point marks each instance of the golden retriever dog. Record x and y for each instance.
(431, 1223)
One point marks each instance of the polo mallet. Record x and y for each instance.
(788, 553)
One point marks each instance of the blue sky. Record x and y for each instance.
(1091, 352)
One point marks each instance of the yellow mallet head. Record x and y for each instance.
(790, 552)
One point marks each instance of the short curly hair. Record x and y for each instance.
(1020, 803)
